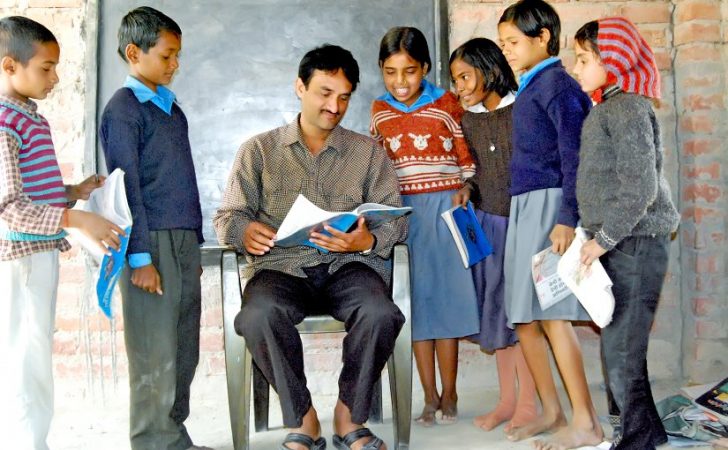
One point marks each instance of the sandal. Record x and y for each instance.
(303, 439)
(345, 443)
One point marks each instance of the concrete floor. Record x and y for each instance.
(89, 420)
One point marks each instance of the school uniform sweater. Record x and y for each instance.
(547, 119)
(153, 148)
(426, 145)
(489, 136)
(620, 184)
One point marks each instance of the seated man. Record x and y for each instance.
(337, 169)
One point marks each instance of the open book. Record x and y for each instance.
(591, 285)
(304, 218)
(108, 201)
(468, 234)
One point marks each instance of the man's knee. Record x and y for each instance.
(381, 315)
(259, 312)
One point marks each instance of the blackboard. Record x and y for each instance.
(239, 64)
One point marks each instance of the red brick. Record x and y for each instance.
(699, 214)
(646, 12)
(211, 316)
(687, 55)
(706, 264)
(55, 3)
(697, 102)
(701, 81)
(697, 147)
(663, 59)
(703, 306)
(707, 192)
(697, 124)
(697, 32)
(708, 329)
(686, 10)
(711, 171)
(211, 339)
(65, 343)
(655, 37)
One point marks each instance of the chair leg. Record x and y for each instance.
(237, 359)
(375, 412)
(261, 398)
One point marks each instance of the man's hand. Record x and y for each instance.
(591, 251)
(561, 237)
(358, 240)
(82, 190)
(462, 197)
(147, 279)
(258, 238)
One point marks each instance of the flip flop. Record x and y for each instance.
(303, 439)
(345, 443)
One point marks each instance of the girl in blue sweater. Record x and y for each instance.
(550, 108)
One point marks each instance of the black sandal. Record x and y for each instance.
(304, 439)
(344, 443)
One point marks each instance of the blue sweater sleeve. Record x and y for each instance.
(567, 111)
(121, 135)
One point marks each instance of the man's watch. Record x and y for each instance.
(371, 249)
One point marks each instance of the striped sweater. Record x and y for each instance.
(426, 146)
(40, 174)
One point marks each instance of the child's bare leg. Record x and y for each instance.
(425, 357)
(505, 359)
(447, 360)
(535, 350)
(584, 428)
(526, 407)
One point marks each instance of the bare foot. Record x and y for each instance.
(427, 418)
(542, 424)
(449, 409)
(571, 437)
(522, 417)
(502, 412)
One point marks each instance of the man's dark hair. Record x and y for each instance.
(486, 57)
(405, 39)
(587, 36)
(19, 35)
(531, 16)
(329, 58)
(142, 27)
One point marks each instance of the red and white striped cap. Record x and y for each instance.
(628, 59)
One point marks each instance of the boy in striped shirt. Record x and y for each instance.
(34, 214)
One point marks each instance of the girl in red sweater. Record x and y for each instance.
(419, 126)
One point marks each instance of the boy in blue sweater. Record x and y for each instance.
(144, 132)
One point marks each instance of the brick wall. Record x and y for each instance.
(701, 31)
(690, 337)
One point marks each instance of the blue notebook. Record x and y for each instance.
(109, 273)
(468, 234)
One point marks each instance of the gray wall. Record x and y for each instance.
(239, 63)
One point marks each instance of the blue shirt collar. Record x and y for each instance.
(527, 77)
(430, 93)
(163, 98)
